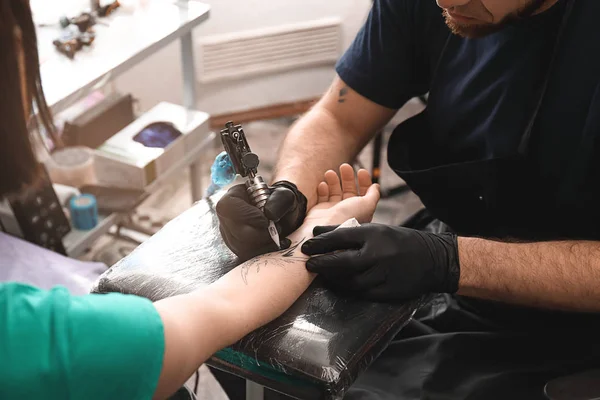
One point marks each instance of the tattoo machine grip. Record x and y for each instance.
(245, 163)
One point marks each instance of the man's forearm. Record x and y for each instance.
(315, 144)
(330, 134)
(560, 275)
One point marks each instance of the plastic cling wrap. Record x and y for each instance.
(316, 349)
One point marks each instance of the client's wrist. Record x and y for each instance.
(303, 233)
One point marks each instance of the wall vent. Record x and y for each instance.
(270, 50)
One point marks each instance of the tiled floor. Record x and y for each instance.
(263, 136)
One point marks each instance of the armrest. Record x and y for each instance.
(581, 386)
(315, 350)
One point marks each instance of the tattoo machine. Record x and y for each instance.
(239, 159)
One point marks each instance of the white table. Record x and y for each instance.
(129, 37)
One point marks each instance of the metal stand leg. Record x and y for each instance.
(196, 170)
(254, 391)
(189, 101)
(189, 71)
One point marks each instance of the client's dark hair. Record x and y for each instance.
(18, 164)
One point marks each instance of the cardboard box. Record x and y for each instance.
(123, 162)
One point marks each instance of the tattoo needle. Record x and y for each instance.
(274, 234)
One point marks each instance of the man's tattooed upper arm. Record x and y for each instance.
(342, 94)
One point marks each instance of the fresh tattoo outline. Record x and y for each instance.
(279, 258)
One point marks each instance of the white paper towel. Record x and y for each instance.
(351, 223)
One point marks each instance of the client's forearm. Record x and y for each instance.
(190, 335)
(262, 288)
(199, 324)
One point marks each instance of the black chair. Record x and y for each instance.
(582, 386)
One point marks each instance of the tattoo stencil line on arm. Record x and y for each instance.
(279, 259)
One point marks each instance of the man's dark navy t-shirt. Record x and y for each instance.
(484, 88)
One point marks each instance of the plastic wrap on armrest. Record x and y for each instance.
(316, 349)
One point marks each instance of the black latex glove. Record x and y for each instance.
(244, 227)
(384, 263)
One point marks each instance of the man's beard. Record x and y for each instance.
(484, 29)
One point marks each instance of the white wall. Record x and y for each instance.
(159, 78)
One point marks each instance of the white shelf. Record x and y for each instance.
(128, 38)
(189, 159)
(77, 242)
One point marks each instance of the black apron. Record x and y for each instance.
(460, 348)
(499, 197)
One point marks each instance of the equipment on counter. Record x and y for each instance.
(72, 166)
(106, 10)
(245, 163)
(86, 20)
(83, 22)
(158, 135)
(71, 41)
(123, 162)
(93, 125)
(84, 212)
(40, 216)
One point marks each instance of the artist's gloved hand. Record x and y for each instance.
(384, 263)
(244, 227)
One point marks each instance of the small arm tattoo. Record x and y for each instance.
(342, 94)
(279, 258)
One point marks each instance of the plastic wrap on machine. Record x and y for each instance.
(315, 350)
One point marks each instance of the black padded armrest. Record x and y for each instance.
(315, 350)
(581, 386)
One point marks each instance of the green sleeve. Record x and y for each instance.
(57, 346)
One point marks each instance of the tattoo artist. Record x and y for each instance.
(505, 159)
